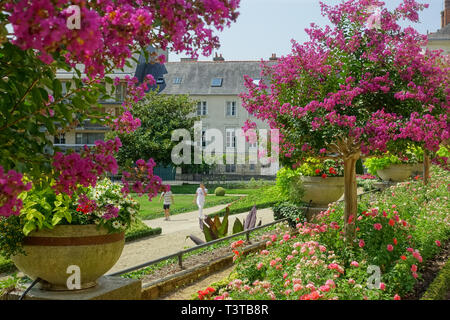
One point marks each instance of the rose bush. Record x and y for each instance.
(397, 232)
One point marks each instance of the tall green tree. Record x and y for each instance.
(159, 114)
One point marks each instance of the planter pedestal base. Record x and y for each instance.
(108, 288)
(384, 185)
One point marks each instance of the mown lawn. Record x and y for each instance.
(183, 203)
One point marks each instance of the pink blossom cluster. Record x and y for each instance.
(84, 168)
(142, 180)
(111, 30)
(126, 122)
(11, 185)
(312, 96)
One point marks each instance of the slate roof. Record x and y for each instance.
(441, 34)
(197, 76)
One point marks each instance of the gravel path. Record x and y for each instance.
(173, 236)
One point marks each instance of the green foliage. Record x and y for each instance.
(313, 167)
(220, 192)
(263, 198)
(139, 229)
(26, 124)
(44, 209)
(412, 155)
(8, 284)
(159, 114)
(216, 229)
(397, 230)
(292, 211)
(290, 184)
(375, 164)
(6, 265)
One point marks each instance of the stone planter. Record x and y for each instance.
(322, 191)
(49, 254)
(417, 169)
(396, 172)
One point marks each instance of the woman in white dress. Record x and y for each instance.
(200, 197)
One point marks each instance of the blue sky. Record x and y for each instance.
(267, 26)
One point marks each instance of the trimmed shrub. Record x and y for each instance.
(220, 192)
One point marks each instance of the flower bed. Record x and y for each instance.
(395, 235)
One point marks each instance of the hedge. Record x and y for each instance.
(440, 287)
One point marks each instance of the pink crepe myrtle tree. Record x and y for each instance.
(355, 89)
(36, 40)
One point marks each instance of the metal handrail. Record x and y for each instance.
(179, 254)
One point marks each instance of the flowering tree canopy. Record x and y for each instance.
(33, 104)
(363, 86)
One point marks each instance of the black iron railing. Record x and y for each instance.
(180, 254)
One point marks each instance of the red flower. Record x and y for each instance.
(317, 171)
(350, 219)
(438, 243)
(361, 243)
(332, 171)
(324, 176)
(395, 241)
(390, 247)
(403, 257)
(397, 297)
(391, 222)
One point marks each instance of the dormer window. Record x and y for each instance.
(160, 80)
(177, 80)
(216, 82)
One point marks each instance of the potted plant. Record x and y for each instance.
(323, 181)
(396, 168)
(57, 233)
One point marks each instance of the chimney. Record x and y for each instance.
(218, 58)
(273, 57)
(188, 59)
(445, 15)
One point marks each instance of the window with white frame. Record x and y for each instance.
(202, 108)
(231, 109)
(121, 91)
(59, 138)
(230, 138)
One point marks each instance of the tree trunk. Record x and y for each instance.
(426, 167)
(350, 196)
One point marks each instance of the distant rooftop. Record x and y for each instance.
(202, 77)
(441, 34)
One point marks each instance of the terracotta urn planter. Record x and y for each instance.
(396, 172)
(322, 191)
(50, 253)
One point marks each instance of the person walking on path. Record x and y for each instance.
(168, 200)
(200, 197)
